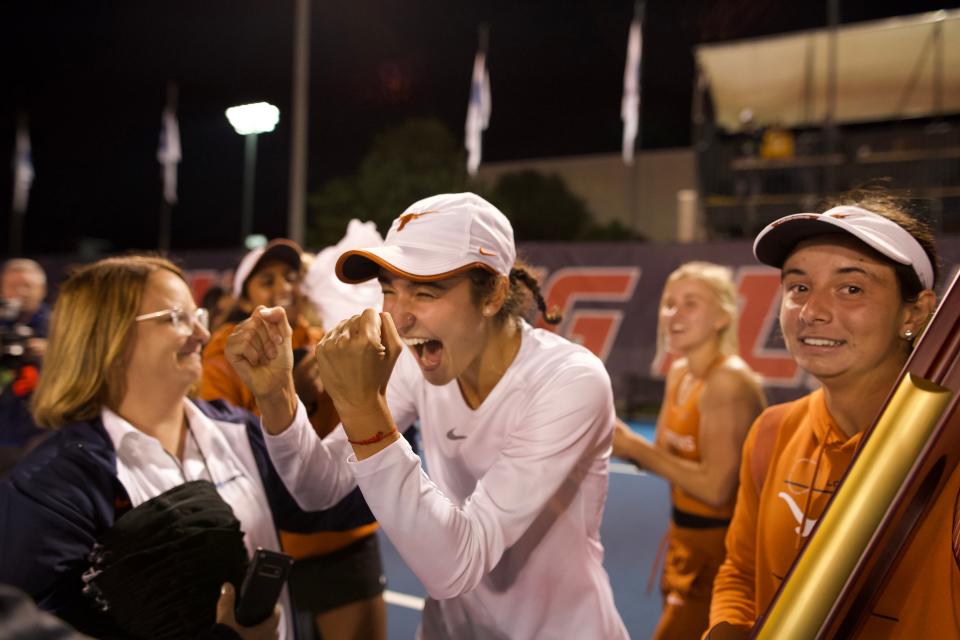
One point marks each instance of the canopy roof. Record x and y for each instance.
(886, 70)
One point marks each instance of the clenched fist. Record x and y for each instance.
(259, 350)
(356, 359)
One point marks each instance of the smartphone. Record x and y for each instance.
(261, 586)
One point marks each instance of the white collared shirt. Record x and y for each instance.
(216, 451)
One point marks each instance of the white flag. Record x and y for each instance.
(630, 105)
(22, 170)
(478, 111)
(168, 154)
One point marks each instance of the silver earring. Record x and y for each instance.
(908, 334)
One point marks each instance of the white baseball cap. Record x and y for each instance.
(280, 249)
(777, 240)
(436, 238)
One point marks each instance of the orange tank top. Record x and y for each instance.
(681, 437)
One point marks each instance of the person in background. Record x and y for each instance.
(710, 401)
(23, 289)
(338, 576)
(24, 320)
(516, 424)
(857, 289)
(124, 352)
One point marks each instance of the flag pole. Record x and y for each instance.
(296, 215)
(166, 206)
(483, 37)
(479, 105)
(630, 106)
(22, 180)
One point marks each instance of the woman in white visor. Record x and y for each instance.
(857, 289)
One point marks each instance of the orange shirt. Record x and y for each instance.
(810, 455)
(680, 436)
(220, 381)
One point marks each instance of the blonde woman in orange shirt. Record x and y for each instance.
(711, 399)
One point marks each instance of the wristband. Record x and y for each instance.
(374, 439)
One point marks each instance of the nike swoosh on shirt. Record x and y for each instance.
(453, 436)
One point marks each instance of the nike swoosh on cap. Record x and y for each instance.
(453, 436)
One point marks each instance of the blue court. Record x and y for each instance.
(634, 522)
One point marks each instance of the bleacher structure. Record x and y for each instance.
(784, 123)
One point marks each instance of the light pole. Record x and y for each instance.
(250, 120)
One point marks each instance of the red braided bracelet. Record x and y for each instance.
(372, 439)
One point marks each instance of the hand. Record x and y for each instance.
(259, 350)
(631, 447)
(622, 440)
(266, 630)
(356, 359)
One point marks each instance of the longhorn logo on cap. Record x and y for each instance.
(409, 217)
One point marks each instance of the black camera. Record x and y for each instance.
(14, 336)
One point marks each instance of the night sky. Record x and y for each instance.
(92, 76)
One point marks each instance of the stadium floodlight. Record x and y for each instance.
(259, 117)
(250, 120)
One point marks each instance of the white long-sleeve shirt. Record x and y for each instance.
(504, 534)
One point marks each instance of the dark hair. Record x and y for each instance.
(212, 297)
(522, 282)
(899, 210)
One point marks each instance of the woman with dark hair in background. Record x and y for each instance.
(857, 289)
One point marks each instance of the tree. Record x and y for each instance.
(542, 207)
(421, 158)
(417, 159)
(539, 206)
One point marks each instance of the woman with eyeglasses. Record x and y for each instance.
(124, 352)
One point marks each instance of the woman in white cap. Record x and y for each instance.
(857, 289)
(268, 276)
(517, 426)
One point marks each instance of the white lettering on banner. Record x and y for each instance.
(595, 329)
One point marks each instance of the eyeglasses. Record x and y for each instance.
(182, 321)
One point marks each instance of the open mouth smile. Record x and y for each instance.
(428, 351)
